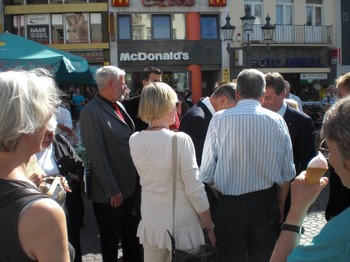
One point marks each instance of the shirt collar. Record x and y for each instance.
(283, 109)
(207, 103)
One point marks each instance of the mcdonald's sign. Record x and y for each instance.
(217, 2)
(120, 3)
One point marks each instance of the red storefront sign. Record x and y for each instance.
(217, 2)
(119, 3)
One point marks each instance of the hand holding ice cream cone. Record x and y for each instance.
(316, 168)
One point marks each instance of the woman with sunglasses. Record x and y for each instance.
(333, 241)
(151, 151)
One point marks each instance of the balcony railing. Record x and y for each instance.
(295, 34)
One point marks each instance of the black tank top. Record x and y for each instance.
(10, 246)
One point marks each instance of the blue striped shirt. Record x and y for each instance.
(247, 148)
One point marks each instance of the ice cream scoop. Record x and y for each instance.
(316, 168)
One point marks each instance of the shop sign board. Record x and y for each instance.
(313, 76)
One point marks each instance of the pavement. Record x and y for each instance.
(90, 245)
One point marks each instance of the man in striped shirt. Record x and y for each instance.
(248, 160)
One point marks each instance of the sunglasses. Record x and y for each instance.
(324, 149)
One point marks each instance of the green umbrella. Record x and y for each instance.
(19, 52)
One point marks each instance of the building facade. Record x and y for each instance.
(301, 48)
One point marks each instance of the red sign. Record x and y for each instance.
(120, 3)
(217, 2)
(169, 2)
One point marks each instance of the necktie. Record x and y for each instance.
(117, 110)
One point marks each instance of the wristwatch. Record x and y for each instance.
(293, 228)
(211, 228)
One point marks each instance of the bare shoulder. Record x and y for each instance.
(42, 231)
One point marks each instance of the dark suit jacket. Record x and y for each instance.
(301, 131)
(195, 123)
(69, 162)
(132, 107)
(106, 139)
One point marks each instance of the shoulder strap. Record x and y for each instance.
(18, 193)
(174, 155)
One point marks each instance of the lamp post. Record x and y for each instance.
(228, 32)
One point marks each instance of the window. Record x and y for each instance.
(96, 28)
(18, 25)
(284, 12)
(161, 26)
(124, 31)
(57, 36)
(151, 26)
(141, 25)
(313, 12)
(256, 10)
(209, 27)
(179, 25)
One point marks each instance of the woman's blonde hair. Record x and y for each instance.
(156, 100)
(27, 101)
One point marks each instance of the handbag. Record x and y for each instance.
(207, 252)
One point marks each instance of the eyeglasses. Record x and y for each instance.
(324, 149)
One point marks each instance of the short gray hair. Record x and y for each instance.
(105, 73)
(27, 101)
(251, 84)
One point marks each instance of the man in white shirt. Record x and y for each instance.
(65, 124)
(247, 157)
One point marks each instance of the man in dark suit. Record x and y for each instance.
(196, 121)
(150, 74)
(300, 125)
(105, 129)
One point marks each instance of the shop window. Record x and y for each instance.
(14, 2)
(57, 34)
(96, 27)
(124, 31)
(35, 2)
(38, 28)
(209, 27)
(18, 25)
(77, 28)
(161, 26)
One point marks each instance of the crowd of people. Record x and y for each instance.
(239, 168)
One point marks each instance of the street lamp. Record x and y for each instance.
(228, 31)
(268, 31)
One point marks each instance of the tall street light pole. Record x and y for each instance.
(228, 33)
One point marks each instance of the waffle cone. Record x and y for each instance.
(313, 174)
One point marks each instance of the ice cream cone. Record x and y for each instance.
(313, 174)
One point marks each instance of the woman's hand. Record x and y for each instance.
(65, 185)
(37, 179)
(212, 237)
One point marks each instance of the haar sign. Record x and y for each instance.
(142, 56)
